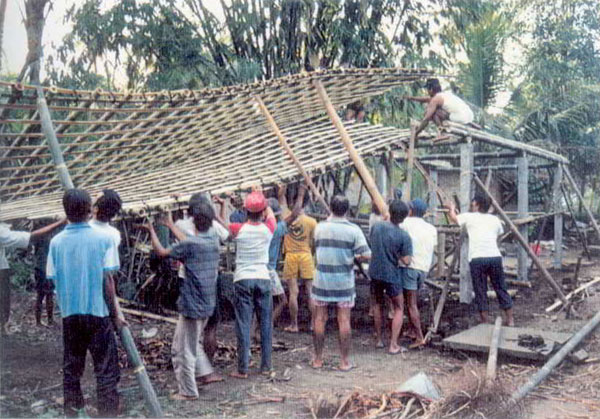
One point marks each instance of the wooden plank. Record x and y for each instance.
(478, 339)
(466, 174)
(490, 374)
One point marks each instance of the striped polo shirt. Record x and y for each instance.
(338, 242)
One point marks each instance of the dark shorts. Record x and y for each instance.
(413, 279)
(481, 269)
(43, 285)
(379, 288)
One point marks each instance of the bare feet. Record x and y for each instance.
(345, 366)
(182, 397)
(239, 375)
(396, 349)
(316, 364)
(379, 344)
(292, 329)
(210, 378)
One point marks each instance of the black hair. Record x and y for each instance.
(109, 205)
(483, 201)
(433, 84)
(203, 215)
(398, 211)
(77, 204)
(255, 217)
(339, 205)
(198, 198)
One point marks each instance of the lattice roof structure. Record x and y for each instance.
(151, 145)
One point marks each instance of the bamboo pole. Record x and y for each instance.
(53, 145)
(522, 242)
(490, 374)
(410, 161)
(361, 168)
(585, 206)
(288, 150)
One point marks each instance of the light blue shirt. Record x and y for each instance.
(77, 260)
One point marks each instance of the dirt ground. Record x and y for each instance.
(31, 360)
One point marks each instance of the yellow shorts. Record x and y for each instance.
(298, 266)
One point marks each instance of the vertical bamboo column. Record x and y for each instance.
(285, 145)
(359, 164)
(434, 201)
(523, 209)
(53, 145)
(410, 162)
(466, 175)
(558, 217)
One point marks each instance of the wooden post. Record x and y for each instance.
(441, 255)
(381, 175)
(53, 145)
(359, 164)
(434, 202)
(523, 208)
(284, 143)
(585, 206)
(522, 242)
(558, 217)
(466, 174)
(490, 374)
(410, 162)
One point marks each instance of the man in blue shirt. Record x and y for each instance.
(80, 262)
(392, 248)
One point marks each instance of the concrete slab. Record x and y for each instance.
(478, 339)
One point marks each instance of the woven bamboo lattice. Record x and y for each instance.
(150, 145)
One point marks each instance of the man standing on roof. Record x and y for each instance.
(298, 265)
(10, 239)
(442, 106)
(424, 239)
(252, 281)
(485, 259)
(338, 243)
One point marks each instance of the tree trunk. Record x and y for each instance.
(34, 25)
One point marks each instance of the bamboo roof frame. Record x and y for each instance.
(151, 145)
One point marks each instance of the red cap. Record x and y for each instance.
(255, 202)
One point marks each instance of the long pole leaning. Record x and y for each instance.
(125, 334)
(522, 242)
(288, 150)
(55, 151)
(359, 164)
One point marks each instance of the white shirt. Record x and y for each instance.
(186, 225)
(457, 109)
(113, 233)
(483, 231)
(374, 218)
(11, 240)
(424, 239)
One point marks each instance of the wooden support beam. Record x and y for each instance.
(434, 201)
(558, 217)
(441, 255)
(359, 164)
(545, 274)
(466, 174)
(523, 208)
(288, 150)
(585, 206)
(410, 162)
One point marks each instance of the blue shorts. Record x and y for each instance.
(413, 279)
(379, 288)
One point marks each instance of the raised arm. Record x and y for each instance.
(420, 99)
(297, 206)
(47, 229)
(281, 195)
(452, 215)
(158, 248)
(220, 217)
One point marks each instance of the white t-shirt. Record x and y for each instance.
(114, 234)
(483, 231)
(11, 240)
(424, 239)
(457, 109)
(374, 218)
(186, 225)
